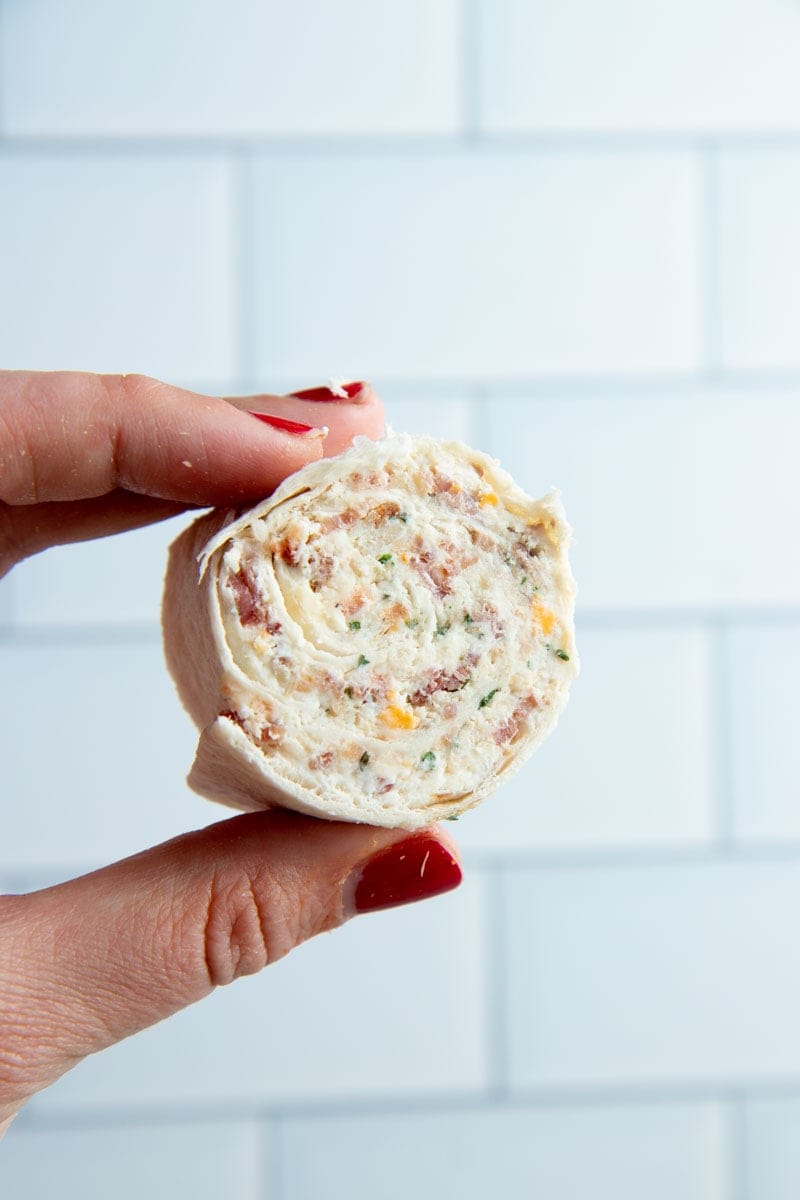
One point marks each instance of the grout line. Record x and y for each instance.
(272, 1160)
(555, 141)
(470, 72)
(497, 984)
(721, 739)
(737, 1147)
(554, 1096)
(243, 270)
(709, 284)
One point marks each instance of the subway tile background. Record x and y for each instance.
(566, 231)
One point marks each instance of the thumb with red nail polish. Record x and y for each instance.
(119, 949)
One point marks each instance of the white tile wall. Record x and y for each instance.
(653, 975)
(772, 1149)
(118, 264)
(639, 718)
(201, 1159)
(391, 1004)
(564, 65)
(550, 229)
(758, 252)
(116, 581)
(658, 1151)
(764, 673)
(243, 67)
(676, 500)
(100, 749)
(487, 265)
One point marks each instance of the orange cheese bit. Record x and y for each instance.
(487, 498)
(545, 618)
(395, 717)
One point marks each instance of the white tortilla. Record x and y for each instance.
(385, 639)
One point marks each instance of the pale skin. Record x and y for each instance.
(94, 960)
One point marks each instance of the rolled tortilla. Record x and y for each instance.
(385, 639)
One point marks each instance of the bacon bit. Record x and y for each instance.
(260, 728)
(449, 711)
(435, 576)
(395, 717)
(289, 550)
(482, 540)
(250, 604)
(524, 552)
(383, 786)
(320, 760)
(322, 573)
(338, 520)
(384, 512)
(230, 715)
(354, 603)
(544, 617)
(509, 728)
(496, 624)
(442, 681)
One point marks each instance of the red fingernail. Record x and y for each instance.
(294, 427)
(410, 870)
(324, 395)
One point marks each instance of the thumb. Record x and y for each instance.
(89, 962)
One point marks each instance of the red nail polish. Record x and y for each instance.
(324, 395)
(414, 869)
(295, 427)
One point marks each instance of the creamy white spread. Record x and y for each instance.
(400, 631)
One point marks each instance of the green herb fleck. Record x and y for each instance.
(453, 817)
(386, 596)
(523, 581)
(384, 558)
(399, 517)
(412, 623)
(487, 699)
(441, 630)
(467, 619)
(562, 654)
(348, 691)
(354, 625)
(362, 661)
(529, 665)
(429, 759)
(364, 760)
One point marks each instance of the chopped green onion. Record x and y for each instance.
(384, 558)
(354, 625)
(487, 699)
(453, 817)
(429, 758)
(362, 661)
(364, 760)
(412, 623)
(467, 619)
(399, 517)
(348, 691)
(562, 654)
(441, 630)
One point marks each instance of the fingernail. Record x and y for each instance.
(332, 391)
(294, 427)
(413, 869)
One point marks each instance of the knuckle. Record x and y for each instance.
(240, 931)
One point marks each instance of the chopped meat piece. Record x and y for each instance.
(509, 728)
(319, 761)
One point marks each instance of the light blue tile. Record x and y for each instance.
(109, 582)
(629, 764)
(620, 1153)
(120, 264)
(95, 748)
(764, 691)
(230, 67)
(201, 1159)
(653, 975)
(667, 494)
(464, 265)
(7, 604)
(392, 1004)
(758, 249)
(449, 417)
(772, 1149)
(573, 65)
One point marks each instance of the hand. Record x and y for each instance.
(91, 961)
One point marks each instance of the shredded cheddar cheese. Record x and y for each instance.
(487, 498)
(395, 717)
(544, 616)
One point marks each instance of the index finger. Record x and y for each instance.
(70, 436)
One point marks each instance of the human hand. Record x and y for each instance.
(91, 961)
